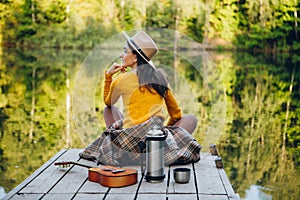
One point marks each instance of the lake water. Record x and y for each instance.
(247, 104)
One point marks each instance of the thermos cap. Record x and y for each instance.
(155, 134)
(155, 131)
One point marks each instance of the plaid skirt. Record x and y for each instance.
(126, 146)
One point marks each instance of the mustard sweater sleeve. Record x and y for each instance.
(110, 93)
(173, 108)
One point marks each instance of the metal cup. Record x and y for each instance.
(182, 175)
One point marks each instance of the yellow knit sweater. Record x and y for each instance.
(139, 104)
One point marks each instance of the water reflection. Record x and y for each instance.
(259, 139)
(32, 109)
(255, 192)
(258, 143)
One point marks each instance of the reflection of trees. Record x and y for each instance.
(33, 117)
(287, 111)
(254, 142)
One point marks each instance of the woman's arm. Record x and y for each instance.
(110, 92)
(173, 108)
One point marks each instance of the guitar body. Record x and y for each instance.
(110, 179)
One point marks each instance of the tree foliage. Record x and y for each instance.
(261, 25)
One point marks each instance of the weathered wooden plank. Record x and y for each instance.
(210, 161)
(58, 196)
(151, 197)
(212, 197)
(50, 176)
(26, 196)
(92, 196)
(208, 179)
(159, 188)
(230, 192)
(204, 166)
(51, 182)
(72, 181)
(33, 175)
(88, 186)
(91, 187)
(120, 196)
(189, 187)
(182, 196)
(209, 157)
(210, 185)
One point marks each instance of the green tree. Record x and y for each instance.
(161, 14)
(224, 20)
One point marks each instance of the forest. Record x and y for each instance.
(264, 25)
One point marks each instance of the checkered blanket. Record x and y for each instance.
(125, 146)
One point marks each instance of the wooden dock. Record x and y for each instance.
(51, 182)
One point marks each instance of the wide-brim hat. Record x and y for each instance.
(143, 44)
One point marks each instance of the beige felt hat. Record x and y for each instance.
(143, 44)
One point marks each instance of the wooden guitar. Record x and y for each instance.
(108, 176)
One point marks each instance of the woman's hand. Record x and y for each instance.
(114, 68)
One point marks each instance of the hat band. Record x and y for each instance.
(139, 50)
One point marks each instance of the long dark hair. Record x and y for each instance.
(151, 78)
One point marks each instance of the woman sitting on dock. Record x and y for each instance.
(145, 90)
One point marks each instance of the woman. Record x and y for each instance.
(144, 91)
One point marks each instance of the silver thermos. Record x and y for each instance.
(155, 155)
